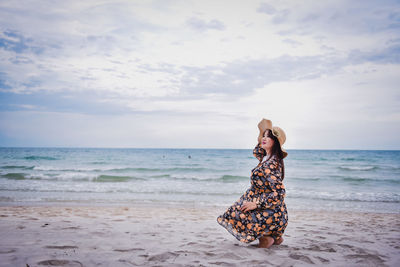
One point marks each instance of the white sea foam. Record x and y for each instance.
(358, 168)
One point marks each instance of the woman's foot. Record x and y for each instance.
(278, 241)
(265, 242)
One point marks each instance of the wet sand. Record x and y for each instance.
(167, 235)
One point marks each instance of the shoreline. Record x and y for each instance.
(187, 235)
(291, 207)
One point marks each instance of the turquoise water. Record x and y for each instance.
(315, 179)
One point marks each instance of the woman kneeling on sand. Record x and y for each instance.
(260, 213)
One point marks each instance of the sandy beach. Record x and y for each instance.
(166, 235)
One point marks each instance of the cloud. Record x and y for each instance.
(202, 25)
(13, 42)
(190, 63)
(266, 8)
(69, 102)
(281, 16)
(292, 42)
(389, 55)
(243, 77)
(4, 82)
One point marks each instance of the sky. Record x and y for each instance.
(199, 74)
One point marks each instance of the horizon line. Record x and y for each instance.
(211, 148)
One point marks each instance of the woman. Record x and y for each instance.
(260, 213)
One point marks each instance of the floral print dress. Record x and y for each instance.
(270, 218)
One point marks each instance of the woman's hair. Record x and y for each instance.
(277, 151)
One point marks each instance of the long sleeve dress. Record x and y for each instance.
(270, 218)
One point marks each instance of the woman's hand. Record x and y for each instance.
(247, 206)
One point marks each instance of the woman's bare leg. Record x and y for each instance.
(278, 241)
(265, 242)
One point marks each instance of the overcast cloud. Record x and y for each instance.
(199, 74)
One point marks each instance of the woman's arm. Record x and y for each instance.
(259, 152)
(270, 173)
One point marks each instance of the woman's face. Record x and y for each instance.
(267, 142)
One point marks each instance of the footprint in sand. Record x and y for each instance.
(163, 256)
(205, 245)
(367, 259)
(61, 247)
(301, 257)
(130, 263)
(128, 249)
(210, 254)
(230, 255)
(99, 233)
(71, 228)
(5, 251)
(222, 263)
(187, 252)
(323, 260)
(318, 248)
(60, 263)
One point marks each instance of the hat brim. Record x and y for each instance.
(264, 125)
(284, 152)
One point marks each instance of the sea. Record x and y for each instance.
(347, 180)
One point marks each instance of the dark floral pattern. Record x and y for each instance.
(270, 218)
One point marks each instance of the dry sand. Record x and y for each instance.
(166, 235)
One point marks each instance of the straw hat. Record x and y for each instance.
(265, 124)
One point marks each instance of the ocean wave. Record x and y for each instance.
(123, 169)
(14, 176)
(305, 178)
(143, 169)
(172, 192)
(231, 178)
(351, 197)
(355, 179)
(70, 177)
(25, 176)
(91, 169)
(393, 168)
(346, 178)
(348, 159)
(358, 168)
(360, 179)
(123, 190)
(197, 169)
(81, 176)
(160, 176)
(18, 167)
(40, 158)
(77, 169)
(224, 178)
(114, 178)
